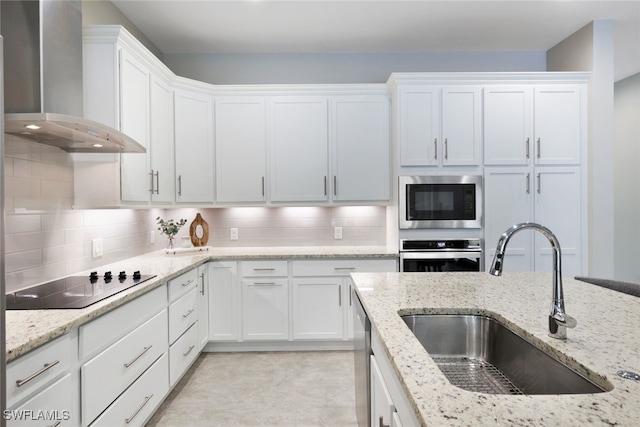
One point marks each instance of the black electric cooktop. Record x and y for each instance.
(73, 291)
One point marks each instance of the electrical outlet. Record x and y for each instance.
(97, 247)
(337, 233)
(233, 234)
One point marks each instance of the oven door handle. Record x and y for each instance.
(440, 255)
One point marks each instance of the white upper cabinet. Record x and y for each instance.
(194, 146)
(361, 148)
(241, 149)
(440, 125)
(161, 141)
(541, 124)
(299, 149)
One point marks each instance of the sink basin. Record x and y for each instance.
(478, 353)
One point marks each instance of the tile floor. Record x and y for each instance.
(285, 389)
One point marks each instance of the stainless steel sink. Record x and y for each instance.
(480, 354)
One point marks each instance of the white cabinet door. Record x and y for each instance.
(557, 206)
(299, 149)
(161, 142)
(241, 149)
(550, 196)
(203, 305)
(194, 146)
(508, 124)
(382, 407)
(360, 138)
(55, 403)
(318, 308)
(461, 125)
(419, 125)
(440, 125)
(224, 302)
(558, 124)
(508, 196)
(134, 121)
(265, 309)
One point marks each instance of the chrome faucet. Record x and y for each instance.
(559, 321)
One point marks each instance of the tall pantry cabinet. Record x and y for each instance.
(534, 153)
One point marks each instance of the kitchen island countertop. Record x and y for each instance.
(29, 329)
(605, 340)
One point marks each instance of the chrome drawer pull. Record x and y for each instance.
(126, 365)
(188, 313)
(46, 367)
(265, 283)
(188, 351)
(188, 283)
(146, 400)
(56, 424)
(264, 269)
(344, 268)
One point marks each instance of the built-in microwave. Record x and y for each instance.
(439, 201)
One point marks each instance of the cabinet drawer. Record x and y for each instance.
(103, 331)
(264, 268)
(183, 284)
(55, 401)
(182, 353)
(37, 368)
(137, 404)
(342, 267)
(182, 314)
(105, 376)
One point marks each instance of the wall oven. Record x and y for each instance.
(441, 255)
(439, 201)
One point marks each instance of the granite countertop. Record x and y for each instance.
(29, 329)
(605, 340)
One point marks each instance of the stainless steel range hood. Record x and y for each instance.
(43, 79)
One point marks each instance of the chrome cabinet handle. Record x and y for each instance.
(179, 185)
(527, 148)
(202, 281)
(157, 182)
(263, 186)
(435, 149)
(187, 283)
(45, 368)
(264, 269)
(325, 185)
(135, 359)
(184, 316)
(344, 268)
(538, 147)
(335, 185)
(265, 283)
(538, 183)
(528, 186)
(151, 189)
(188, 351)
(146, 400)
(56, 424)
(446, 149)
(340, 295)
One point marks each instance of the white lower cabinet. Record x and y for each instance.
(136, 405)
(317, 308)
(106, 376)
(224, 301)
(265, 309)
(382, 407)
(51, 406)
(182, 353)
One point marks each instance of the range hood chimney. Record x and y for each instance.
(43, 79)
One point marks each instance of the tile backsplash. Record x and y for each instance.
(46, 239)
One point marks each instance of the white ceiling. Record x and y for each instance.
(343, 26)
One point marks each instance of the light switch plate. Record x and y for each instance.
(97, 247)
(233, 234)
